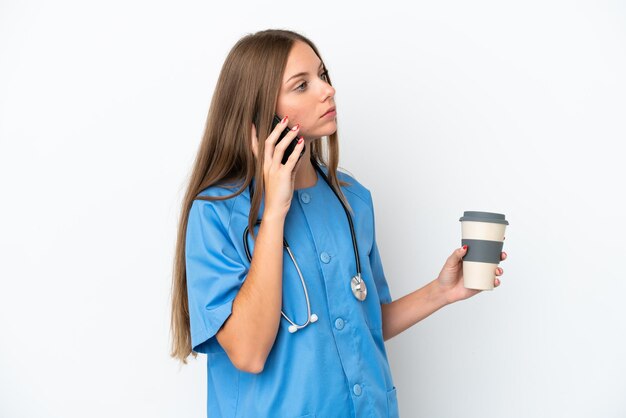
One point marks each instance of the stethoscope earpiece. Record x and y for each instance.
(293, 328)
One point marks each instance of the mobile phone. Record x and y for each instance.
(291, 146)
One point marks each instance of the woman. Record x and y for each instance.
(301, 337)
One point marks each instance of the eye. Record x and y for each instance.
(302, 87)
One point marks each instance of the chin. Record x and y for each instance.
(326, 132)
(330, 132)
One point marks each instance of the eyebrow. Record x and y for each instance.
(303, 73)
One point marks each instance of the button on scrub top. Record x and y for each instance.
(335, 367)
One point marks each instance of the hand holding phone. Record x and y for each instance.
(291, 146)
(279, 181)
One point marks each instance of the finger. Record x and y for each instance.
(270, 142)
(503, 256)
(499, 271)
(255, 142)
(279, 149)
(294, 158)
(457, 256)
(496, 282)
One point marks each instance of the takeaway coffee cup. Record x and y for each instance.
(483, 233)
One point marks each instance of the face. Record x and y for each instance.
(305, 96)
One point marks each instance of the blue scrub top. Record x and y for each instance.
(335, 367)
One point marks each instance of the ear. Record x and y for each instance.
(256, 120)
(255, 141)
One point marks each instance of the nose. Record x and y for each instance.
(327, 91)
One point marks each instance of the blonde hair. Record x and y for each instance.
(247, 90)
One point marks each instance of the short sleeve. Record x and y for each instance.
(215, 273)
(377, 265)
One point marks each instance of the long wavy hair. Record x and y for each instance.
(247, 90)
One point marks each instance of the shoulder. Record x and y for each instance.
(217, 203)
(354, 188)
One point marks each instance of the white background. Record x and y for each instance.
(445, 106)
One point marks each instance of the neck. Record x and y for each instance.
(305, 174)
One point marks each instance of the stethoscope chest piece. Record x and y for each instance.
(359, 290)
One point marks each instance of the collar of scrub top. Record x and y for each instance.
(359, 289)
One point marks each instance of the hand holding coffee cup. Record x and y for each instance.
(483, 233)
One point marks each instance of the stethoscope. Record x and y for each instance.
(359, 290)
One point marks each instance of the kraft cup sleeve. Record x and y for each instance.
(483, 251)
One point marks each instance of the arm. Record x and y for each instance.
(405, 312)
(248, 334)
(448, 288)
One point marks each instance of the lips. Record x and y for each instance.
(328, 111)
